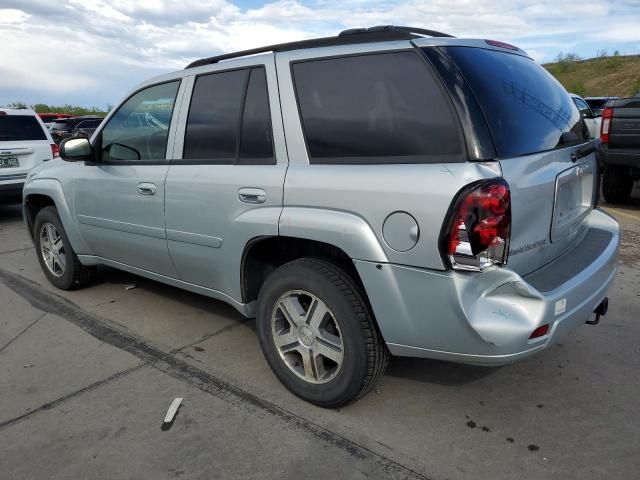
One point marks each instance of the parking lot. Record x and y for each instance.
(87, 377)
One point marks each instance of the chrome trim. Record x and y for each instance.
(17, 176)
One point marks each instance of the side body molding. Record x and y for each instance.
(344, 230)
(52, 188)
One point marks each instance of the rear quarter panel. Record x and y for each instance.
(370, 192)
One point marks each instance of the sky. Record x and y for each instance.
(92, 52)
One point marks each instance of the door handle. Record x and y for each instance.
(252, 195)
(146, 188)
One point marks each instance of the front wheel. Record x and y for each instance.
(57, 259)
(318, 334)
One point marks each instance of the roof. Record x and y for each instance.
(381, 33)
(17, 111)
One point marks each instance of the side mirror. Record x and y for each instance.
(75, 150)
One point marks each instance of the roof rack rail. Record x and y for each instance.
(388, 28)
(381, 33)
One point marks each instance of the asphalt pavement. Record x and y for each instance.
(86, 378)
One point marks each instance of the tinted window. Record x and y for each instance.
(126, 137)
(88, 124)
(60, 125)
(214, 117)
(383, 108)
(20, 127)
(256, 145)
(527, 109)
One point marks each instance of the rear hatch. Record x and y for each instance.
(543, 148)
(23, 145)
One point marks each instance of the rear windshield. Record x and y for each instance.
(60, 125)
(598, 103)
(526, 108)
(20, 127)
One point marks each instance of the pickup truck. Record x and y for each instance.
(619, 151)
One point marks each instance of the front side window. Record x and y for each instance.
(379, 108)
(140, 128)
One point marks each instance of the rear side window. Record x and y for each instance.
(378, 108)
(526, 108)
(229, 120)
(20, 127)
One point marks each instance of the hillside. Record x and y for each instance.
(603, 76)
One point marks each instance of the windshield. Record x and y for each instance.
(20, 127)
(526, 108)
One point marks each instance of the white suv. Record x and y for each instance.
(24, 143)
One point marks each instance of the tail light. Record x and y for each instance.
(607, 115)
(477, 233)
(55, 150)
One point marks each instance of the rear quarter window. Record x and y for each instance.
(20, 127)
(527, 110)
(375, 108)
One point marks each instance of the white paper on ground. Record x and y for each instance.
(173, 408)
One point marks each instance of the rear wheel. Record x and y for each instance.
(57, 259)
(318, 334)
(617, 184)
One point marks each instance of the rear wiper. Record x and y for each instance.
(588, 149)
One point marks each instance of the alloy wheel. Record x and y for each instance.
(52, 249)
(307, 336)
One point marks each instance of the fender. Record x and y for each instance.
(52, 188)
(344, 230)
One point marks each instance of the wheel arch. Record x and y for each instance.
(41, 193)
(262, 255)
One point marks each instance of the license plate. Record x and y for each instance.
(569, 199)
(574, 194)
(9, 162)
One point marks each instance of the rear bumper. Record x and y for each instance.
(618, 156)
(487, 318)
(11, 192)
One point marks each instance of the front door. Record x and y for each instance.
(226, 188)
(119, 198)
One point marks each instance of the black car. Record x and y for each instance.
(597, 104)
(70, 127)
(86, 127)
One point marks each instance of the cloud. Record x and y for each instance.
(93, 52)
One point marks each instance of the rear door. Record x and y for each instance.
(224, 186)
(543, 149)
(23, 145)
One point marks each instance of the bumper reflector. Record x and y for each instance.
(540, 331)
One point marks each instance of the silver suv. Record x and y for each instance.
(387, 191)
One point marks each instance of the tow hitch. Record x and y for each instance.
(600, 311)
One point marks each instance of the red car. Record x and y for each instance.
(48, 118)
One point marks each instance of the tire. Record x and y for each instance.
(305, 286)
(617, 184)
(74, 274)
